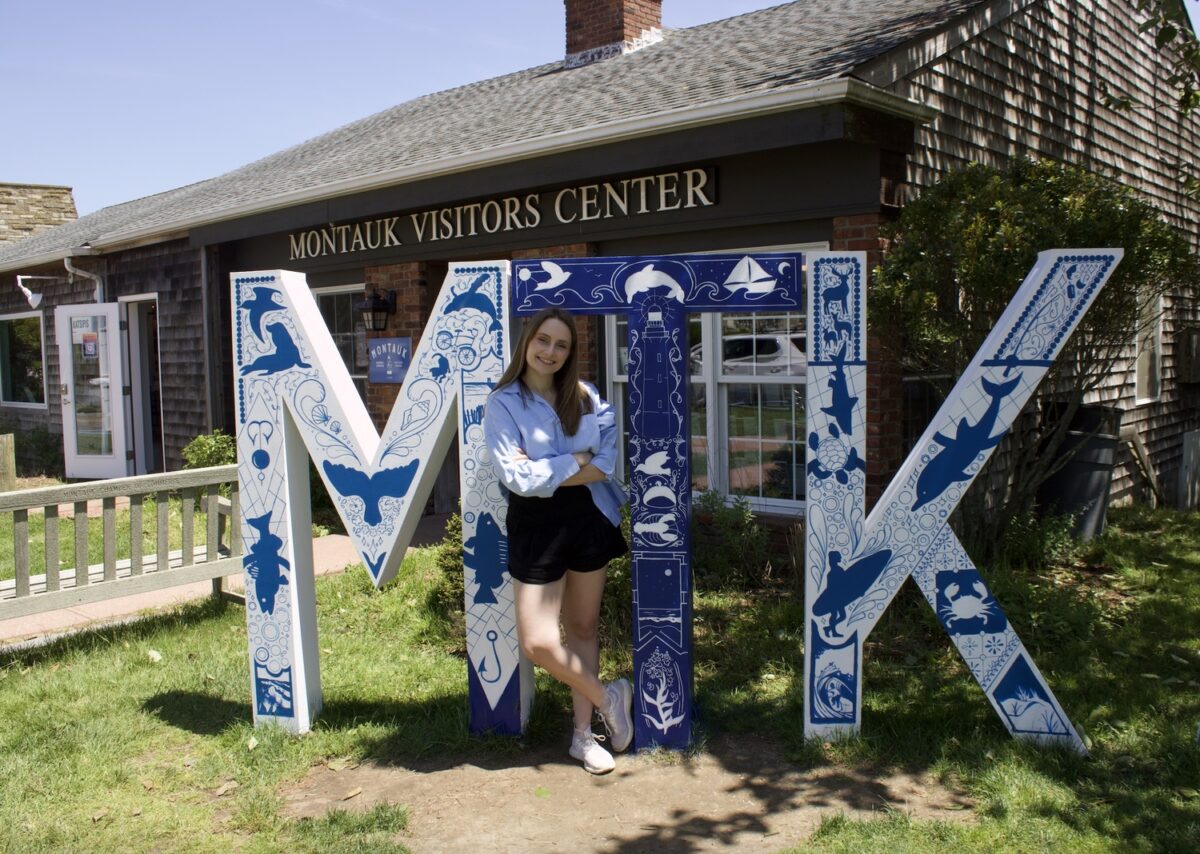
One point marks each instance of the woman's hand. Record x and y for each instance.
(582, 457)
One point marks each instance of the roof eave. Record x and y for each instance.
(841, 90)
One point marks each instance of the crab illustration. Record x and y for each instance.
(975, 605)
(833, 458)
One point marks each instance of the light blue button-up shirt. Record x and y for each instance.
(525, 422)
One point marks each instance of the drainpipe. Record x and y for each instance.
(99, 280)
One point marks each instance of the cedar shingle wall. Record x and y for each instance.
(1031, 86)
(172, 270)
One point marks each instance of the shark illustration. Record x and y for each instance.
(846, 584)
(950, 465)
(265, 564)
(841, 407)
(263, 302)
(385, 483)
(486, 555)
(472, 298)
(647, 279)
(285, 357)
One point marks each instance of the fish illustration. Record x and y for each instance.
(844, 585)
(647, 279)
(486, 555)
(263, 302)
(472, 298)
(264, 564)
(949, 466)
(841, 408)
(285, 357)
(371, 489)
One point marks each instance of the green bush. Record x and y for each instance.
(209, 449)
(729, 548)
(447, 595)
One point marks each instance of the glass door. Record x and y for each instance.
(93, 413)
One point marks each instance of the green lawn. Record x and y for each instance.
(120, 740)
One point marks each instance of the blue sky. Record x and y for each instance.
(127, 98)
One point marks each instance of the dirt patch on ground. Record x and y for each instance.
(739, 793)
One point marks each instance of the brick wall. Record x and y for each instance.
(26, 209)
(415, 284)
(597, 23)
(885, 391)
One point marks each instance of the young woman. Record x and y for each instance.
(553, 442)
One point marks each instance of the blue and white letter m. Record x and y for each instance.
(295, 400)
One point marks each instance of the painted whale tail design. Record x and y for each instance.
(1001, 390)
(371, 489)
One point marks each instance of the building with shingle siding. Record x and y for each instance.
(802, 126)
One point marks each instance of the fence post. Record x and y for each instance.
(8, 462)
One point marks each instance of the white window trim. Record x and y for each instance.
(45, 404)
(1138, 399)
(715, 390)
(334, 290)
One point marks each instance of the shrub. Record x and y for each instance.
(209, 449)
(448, 593)
(729, 547)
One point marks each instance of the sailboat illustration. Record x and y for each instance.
(748, 275)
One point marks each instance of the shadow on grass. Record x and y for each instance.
(203, 714)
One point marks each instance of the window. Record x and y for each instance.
(750, 441)
(1149, 351)
(22, 360)
(349, 335)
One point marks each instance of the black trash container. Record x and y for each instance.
(1080, 488)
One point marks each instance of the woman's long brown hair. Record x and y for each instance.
(571, 399)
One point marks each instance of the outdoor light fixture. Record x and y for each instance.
(375, 310)
(34, 299)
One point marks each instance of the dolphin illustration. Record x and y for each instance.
(844, 585)
(472, 298)
(951, 462)
(647, 279)
(285, 357)
(263, 302)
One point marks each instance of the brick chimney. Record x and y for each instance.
(599, 29)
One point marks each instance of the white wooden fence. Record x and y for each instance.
(33, 590)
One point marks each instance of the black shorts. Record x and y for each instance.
(548, 536)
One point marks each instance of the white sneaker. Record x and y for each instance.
(595, 759)
(617, 713)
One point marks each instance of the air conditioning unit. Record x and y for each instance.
(1187, 355)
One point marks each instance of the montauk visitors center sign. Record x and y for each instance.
(295, 402)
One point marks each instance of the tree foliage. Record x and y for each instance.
(957, 255)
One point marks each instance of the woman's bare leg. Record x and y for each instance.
(538, 609)
(580, 620)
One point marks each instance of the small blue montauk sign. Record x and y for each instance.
(388, 359)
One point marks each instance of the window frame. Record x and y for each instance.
(335, 290)
(716, 386)
(18, 404)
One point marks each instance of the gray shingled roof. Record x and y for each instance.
(771, 50)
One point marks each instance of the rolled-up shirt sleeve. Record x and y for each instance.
(530, 478)
(605, 457)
